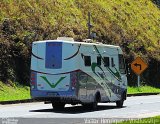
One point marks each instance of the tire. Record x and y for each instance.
(86, 105)
(94, 105)
(120, 103)
(97, 99)
(91, 106)
(58, 106)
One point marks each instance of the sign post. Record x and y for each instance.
(138, 66)
(138, 80)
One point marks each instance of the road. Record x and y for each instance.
(134, 107)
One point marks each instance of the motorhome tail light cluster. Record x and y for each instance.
(33, 80)
(73, 80)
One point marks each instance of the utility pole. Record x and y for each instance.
(89, 25)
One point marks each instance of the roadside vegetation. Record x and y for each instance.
(132, 24)
(152, 120)
(143, 89)
(16, 91)
(13, 91)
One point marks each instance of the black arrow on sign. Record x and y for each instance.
(136, 64)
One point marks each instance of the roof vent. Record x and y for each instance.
(66, 39)
(88, 40)
(99, 43)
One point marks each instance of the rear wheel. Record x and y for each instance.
(58, 106)
(86, 105)
(97, 99)
(94, 105)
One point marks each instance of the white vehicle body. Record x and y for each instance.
(77, 72)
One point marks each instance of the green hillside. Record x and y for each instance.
(11, 92)
(132, 24)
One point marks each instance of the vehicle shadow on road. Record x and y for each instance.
(77, 109)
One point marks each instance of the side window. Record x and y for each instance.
(121, 64)
(112, 62)
(99, 60)
(106, 61)
(87, 60)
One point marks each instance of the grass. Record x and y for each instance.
(131, 24)
(143, 89)
(136, 22)
(152, 120)
(15, 92)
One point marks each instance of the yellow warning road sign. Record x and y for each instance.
(138, 65)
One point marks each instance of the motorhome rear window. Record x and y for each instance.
(53, 55)
(87, 60)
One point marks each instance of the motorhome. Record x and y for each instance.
(64, 71)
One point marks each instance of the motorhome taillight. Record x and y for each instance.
(73, 80)
(33, 80)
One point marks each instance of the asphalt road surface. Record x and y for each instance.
(36, 113)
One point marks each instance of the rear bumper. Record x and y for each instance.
(63, 96)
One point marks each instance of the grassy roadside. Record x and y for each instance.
(14, 92)
(152, 120)
(19, 92)
(143, 89)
